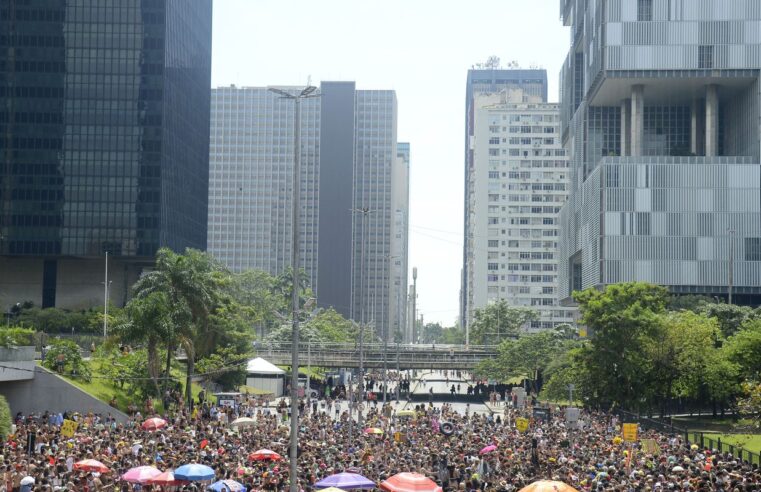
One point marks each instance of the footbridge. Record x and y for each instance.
(376, 355)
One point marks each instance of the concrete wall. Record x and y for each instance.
(16, 363)
(47, 391)
(79, 282)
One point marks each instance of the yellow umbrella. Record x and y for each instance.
(406, 413)
(548, 486)
(373, 430)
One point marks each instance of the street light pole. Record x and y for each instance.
(364, 211)
(105, 300)
(295, 249)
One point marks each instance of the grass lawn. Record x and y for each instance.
(751, 442)
(103, 390)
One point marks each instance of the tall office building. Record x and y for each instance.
(660, 112)
(351, 183)
(104, 140)
(519, 180)
(400, 192)
(487, 80)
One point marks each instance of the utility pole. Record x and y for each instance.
(731, 264)
(398, 371)
(414, 305)
(295, 249)
(364, 211)
(106, 284)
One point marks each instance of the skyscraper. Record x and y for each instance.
(660, 111)
(519, 181)
(104, 142)
(354, 189)
(488, 80)
(400, 191)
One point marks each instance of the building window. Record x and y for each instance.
(644, 10)
(705, 56)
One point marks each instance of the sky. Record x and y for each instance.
(422, 49)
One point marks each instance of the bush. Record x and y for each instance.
(16, 337)
(5, 418)
(64, 357)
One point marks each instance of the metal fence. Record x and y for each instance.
(702, 439)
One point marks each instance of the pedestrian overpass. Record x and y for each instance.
(377, 356)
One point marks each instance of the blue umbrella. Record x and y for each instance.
(227, 486)
(345, 481)
(194, 472)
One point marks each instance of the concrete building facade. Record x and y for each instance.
(660, 115)
(400, 241)
(487, 80)
(353, 184)
(100, 153)
(519, 181)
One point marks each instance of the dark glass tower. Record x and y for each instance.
(104, 138)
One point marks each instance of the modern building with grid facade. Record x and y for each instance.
(349, 164)
(660, 115)
(487, 81)
(104, 142)
(519, 180)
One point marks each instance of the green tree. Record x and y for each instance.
(5, 418)
(67, 352)
(730, 317)
(749, 404)
(195, 286)
(148, 321)
(432, 333)
(623, 318)
(453, 336)
(744, 349)
(332, 327)
(225, 367)
(499, 321)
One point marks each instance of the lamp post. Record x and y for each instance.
(295, 247)
(106, 284)
(364, 211)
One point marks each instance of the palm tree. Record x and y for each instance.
(148, 321)
(192, 283)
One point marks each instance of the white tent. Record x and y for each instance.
(265, 376)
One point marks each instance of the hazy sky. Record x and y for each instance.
(420, 48)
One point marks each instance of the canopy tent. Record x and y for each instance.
(265, 376)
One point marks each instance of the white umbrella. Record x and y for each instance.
(677, 469)
(27, 481)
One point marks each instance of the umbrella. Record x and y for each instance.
(548, 486)
(406, 413)
(91, 466)
(677, 469)
(227, 486)
(373, 430)
(27, 481)
(410, 482)
(345, 481)
(167, 479)
(153, 424)
(332, 489)
(141, 474)
(488, 449)
(242, 422)
(194, 472)
(264, 455)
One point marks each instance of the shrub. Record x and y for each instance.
(64, 357)
(16, 337)
(5, 418)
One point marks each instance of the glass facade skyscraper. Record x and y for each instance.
(660, 112)
(104, 141)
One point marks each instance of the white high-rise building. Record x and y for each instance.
(519, 183)
(356, 262)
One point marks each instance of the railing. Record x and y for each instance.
(691, 437)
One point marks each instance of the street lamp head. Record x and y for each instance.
(307, 90)
(281, 93)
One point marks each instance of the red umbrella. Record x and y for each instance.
(548, 486)
(410, 482)
(264, 455)
(91, 466)
(166, 479)
(154, 424)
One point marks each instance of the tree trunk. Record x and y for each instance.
(168, 366)
(189, 378)
(153, 364)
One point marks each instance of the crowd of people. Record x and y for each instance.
(591, 458)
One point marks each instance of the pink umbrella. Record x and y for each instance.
(167, 479)
(488, 449)
(141, 474)
(154, 423)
